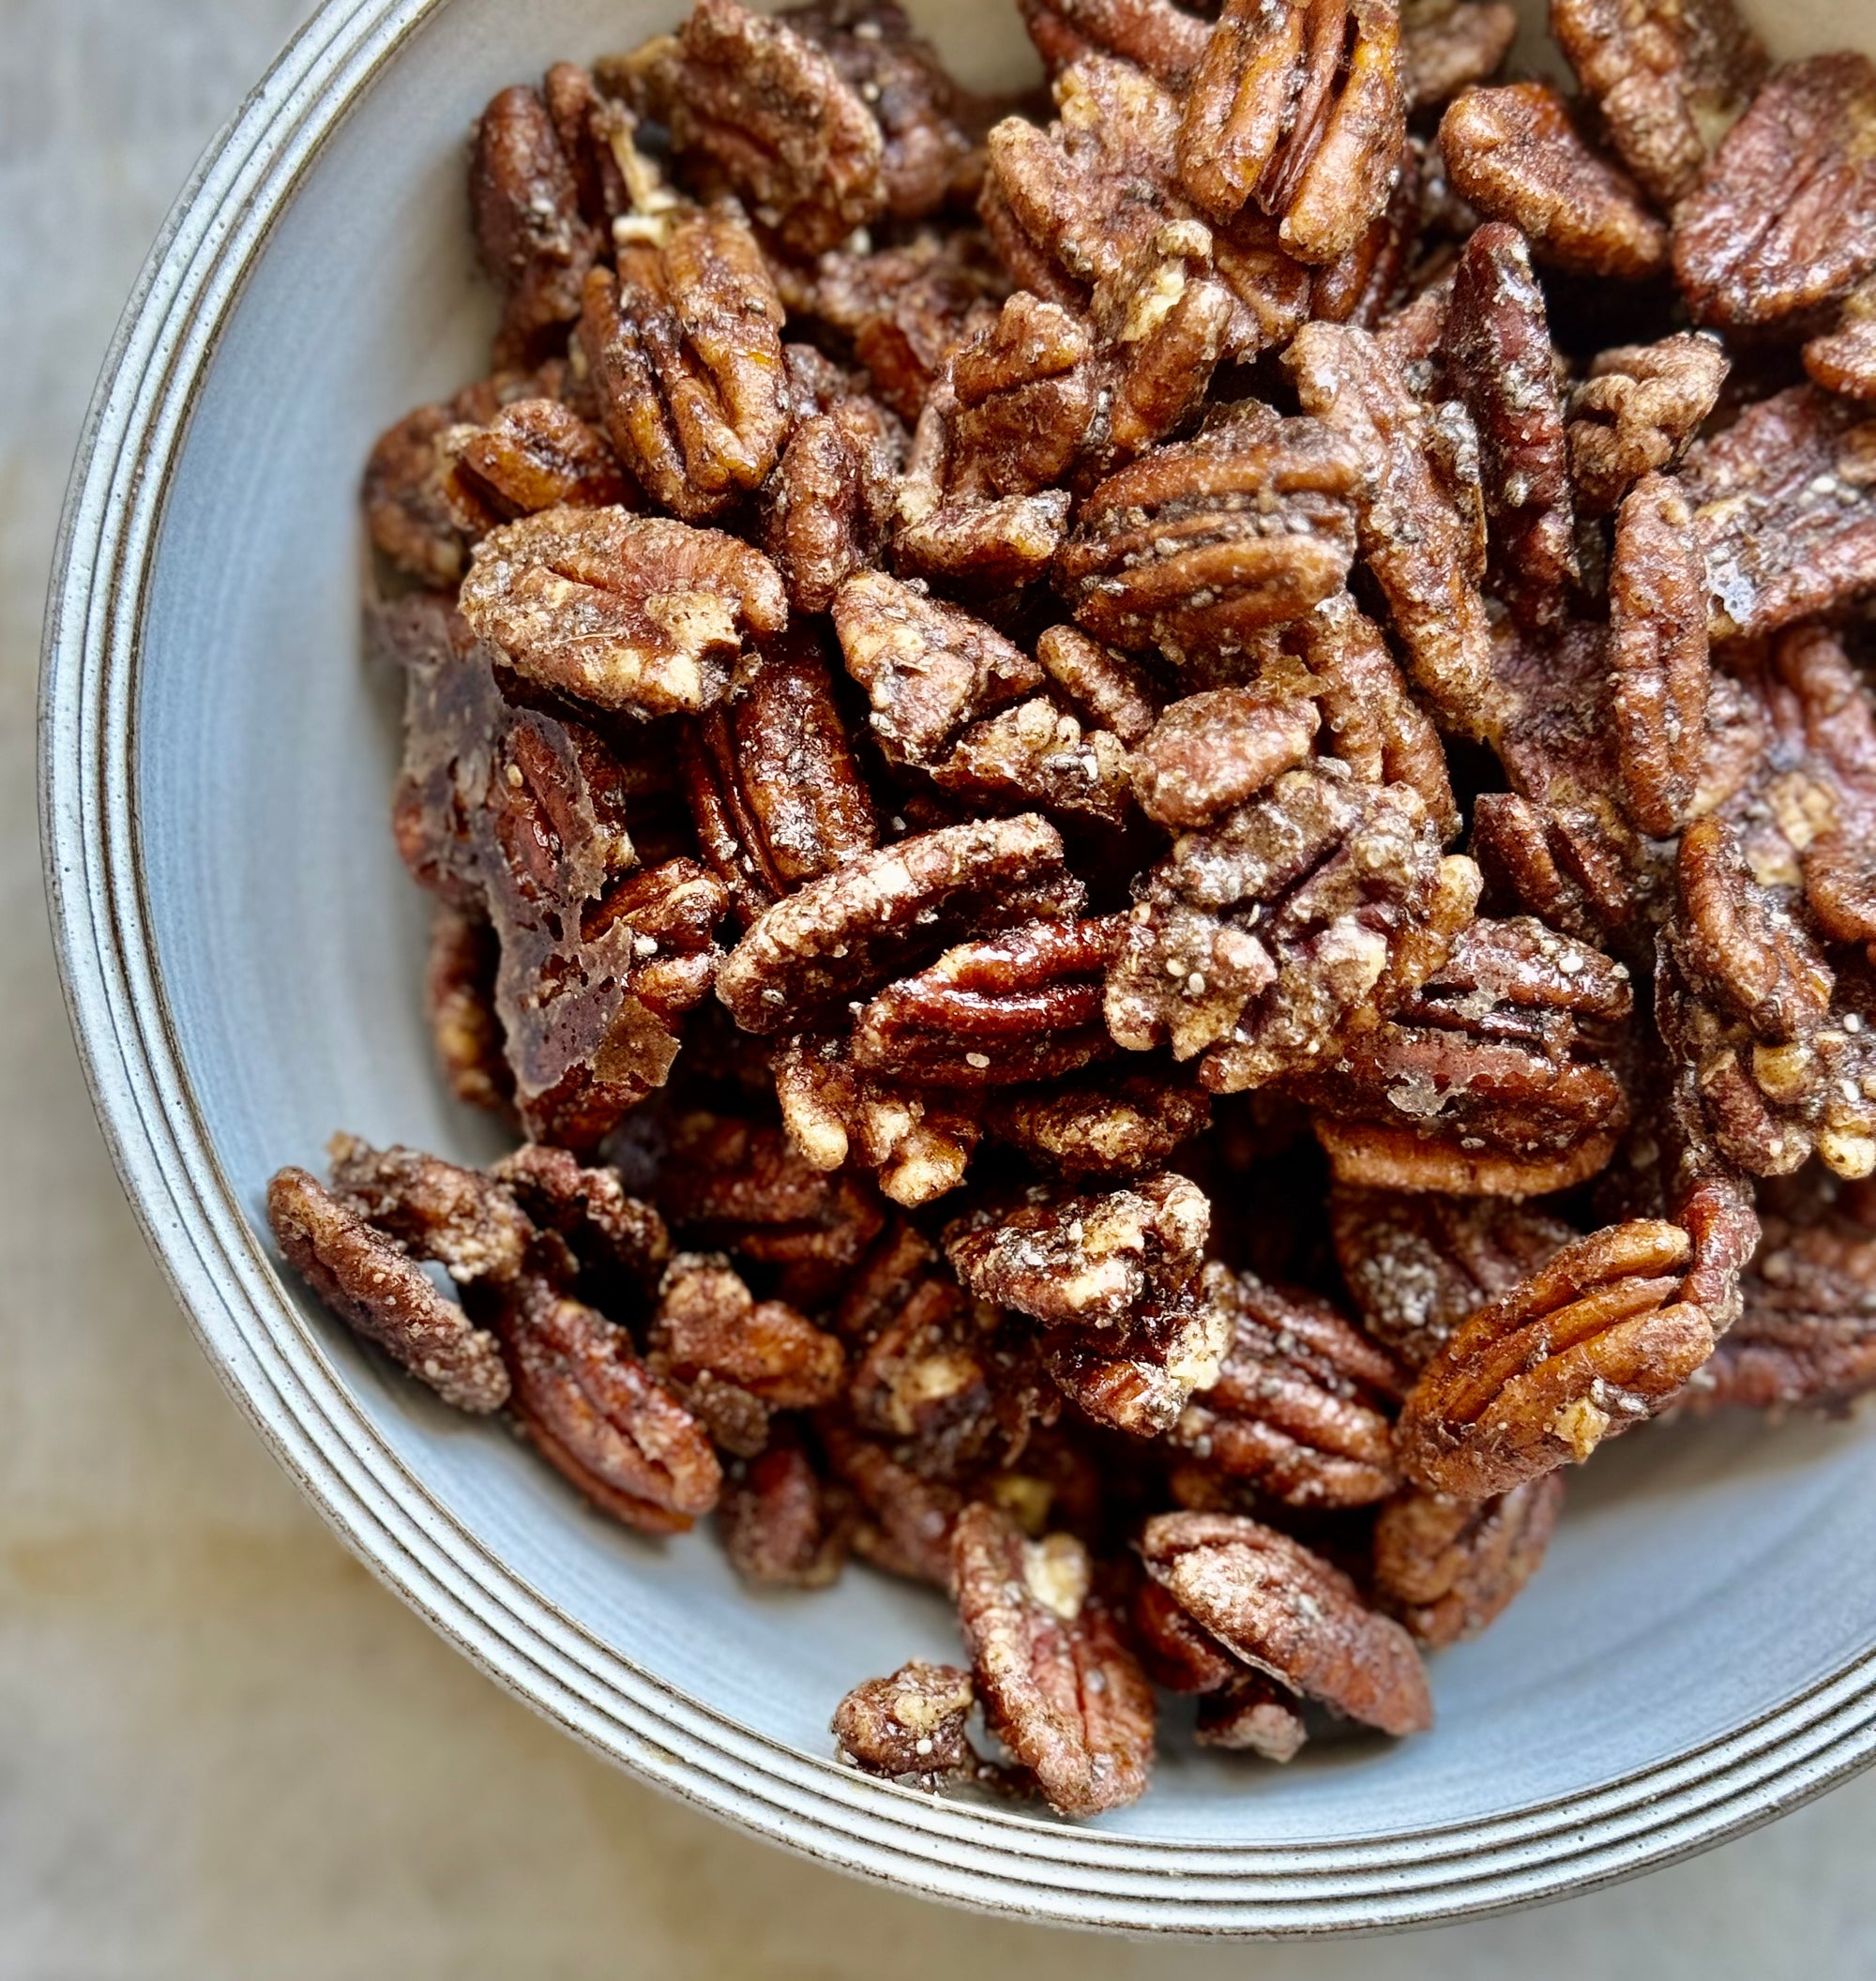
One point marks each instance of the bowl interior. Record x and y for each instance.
(1703, 1574)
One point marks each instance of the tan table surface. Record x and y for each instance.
(224, 1750)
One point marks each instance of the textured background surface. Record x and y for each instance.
(224, 1750)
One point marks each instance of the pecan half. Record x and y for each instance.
(534, 454)
(1161, 37)
(1059, 1688)
(781, 1525)
(1288, 1613)
(1448, 1568)
(910, 1726)
(831, 499)
(1590, 1344)
(1635, 411)
(1139, 1378)
(905, 1520)
(1113, 1125)
(1211, 751)
(1515, 154)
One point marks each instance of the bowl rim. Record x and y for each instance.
(253, 1333)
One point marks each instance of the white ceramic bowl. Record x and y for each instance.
(241, 953)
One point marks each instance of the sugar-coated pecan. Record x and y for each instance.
(911, 1726)
(618, 1242)
(1299, 106)
(1497, 351)
(628, 612)
(1658, 651)
(1158, 36)
(1198, 545)
(1112, 693)
(755, 108)
(1086, 1261)
(905, 1520)
(598, 1415)
(773, 785)
(534, 454)
(1783, 511)
(1107, 1124)
(1448, 45)
(855, 929)
(1211, 751)
(1040, 755)
(1253, 1714)
(781, 1525)
(371, 1284)
(1843, 360)
(739, 1184)
(930, 130)
(528, 224)
(1515, 154)
(1290, 1615)
(1785, 218)
(685, 343)
(1060, 1687)
(1666, 78)
(1635, 411)
(1408, 531)
(1139, 1378)
(1019, 1007)
(598, 137)
(1418, 1264)
(1241, 1710)
(460, 1001)
(831, 499)
(1176, 1651)
(465, 1220)
(1362, 284)
(1446, 1567)
(1262, 939)
(1303, 1405)
(1595, 1341)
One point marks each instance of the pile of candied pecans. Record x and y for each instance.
(946, 664)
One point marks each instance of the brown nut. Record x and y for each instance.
(909, 1726)
(781, 1525)
(1636, 412)
(1448, 1568)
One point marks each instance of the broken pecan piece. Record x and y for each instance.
(1636, 412)
(1590, 1344)
(459, 1001)
(910, 1726)
(781, 1525)
(1111, 1124)
(1448, 1568)
(1211, 751)
(1139, 1378)
(1059, 1688)
(1843, 360)
(1287, 1612)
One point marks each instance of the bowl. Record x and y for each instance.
(242, 959)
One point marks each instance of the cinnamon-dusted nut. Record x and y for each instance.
(1289, 1613)
(632, 614)
(1592, 1343)
(1059, 1686)
(370, 1284)
(1448, 1568)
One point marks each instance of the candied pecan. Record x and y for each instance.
(528, 224)
(1253, 1714)
(1448, 1568)
(1059, 1688)
(366, 1280)
(1114, 692)
(1158, 36)
(754, 108)
(1176, 1653)
(460, 1000)
(739, 1184)
(468, 1223)
(535, 454)
(1447, 45)
(1418, 1264)
(1635, 411)
(1083, 1260)
(1115, 1125)
(1040, 755)
(618, 1241)
(910, 1724)
(1198, 545)
(1303, 1402)
(1499, 1075)
(598, 1415)
(1843, 360)
(1657, 614)
(1019, 1007)
(780, 1524)
(628, 612)
(1666, 78)
(1782, 509)
(685, 343)
(831, 499)
(906, 1520)
(1408, 531)
(1785, 217)
(1595, 1341)
(1497, 349)
(1360, 286)
(1139, 1378)
(1290, 1615)
(1260, 941)
(778, 798)
(598, 137)
(853, 930)
(1515, 154)
(1298, 105)
(1211, 751)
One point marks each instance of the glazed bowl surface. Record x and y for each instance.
(242, 955)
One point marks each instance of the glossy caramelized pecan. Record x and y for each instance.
(1104, 1125)
(911, 1726)
(1289, 1613)
(1843, 360)
(1636, 412)
(534, 454)
(1211, 751)
(1448, 1568)
(1300, 107)
(1059, 1685)
(1158, 36)
(1594, 1342)
(1303, 1405)
(828, 507)
(1515, 155)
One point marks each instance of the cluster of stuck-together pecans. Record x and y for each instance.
(949, 667)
